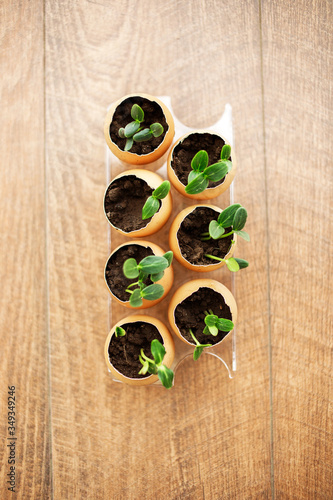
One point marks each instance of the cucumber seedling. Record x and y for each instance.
(134, 130)
(152, 267)
(233, 216)
(201, 173)
(155, 366)
(153, 202)
(119, 332)
(198, 347)
(214, 324)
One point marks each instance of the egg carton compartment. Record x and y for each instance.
(225, 351)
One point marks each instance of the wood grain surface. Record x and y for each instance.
(297, 55)
(24, 360)
(267, 433)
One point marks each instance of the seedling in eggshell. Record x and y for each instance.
(135, 132)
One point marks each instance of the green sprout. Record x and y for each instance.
(155, 366)
(135, 132)
(119, 332)
(235, 217)
(214, 324)
(233, 264)
(201, 173)
(153, 267)
(198, 347)
(152, 204)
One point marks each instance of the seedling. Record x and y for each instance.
(119, 332)
(214, 324)
(153, 204)
(198, 347)
(201, 173)
(235, 217)
(153, 267)
(155, 366)
(233, 264)
(135, 132)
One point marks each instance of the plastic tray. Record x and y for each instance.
(226, 350)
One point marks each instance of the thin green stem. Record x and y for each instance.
(133, 284)
(129, 291)
(214, 258)
(226, 234)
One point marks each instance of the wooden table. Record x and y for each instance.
(268, 432)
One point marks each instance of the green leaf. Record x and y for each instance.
(213, 330)
(197, 352)
(143, 135)
(165, 375)
(239, 219)
(129, 144)
(162, 190)
(137, 113)
(192, 175)
(199, 184)
(215, 230)
(210, 320)
(168, 256)
(217, 171)
(150, 207)
(200, 161)
(130, 269)
(244, 235)
(158, 351)
(225, 325)
(153, 264)
(157, 276)
(206, 330)
(135, 298)
(152, 292)
(131, 128)
(225, 152)
(227, 215)
(156, 129)
(119, 332)
(242, 263)
(232, 264)
(121, 132)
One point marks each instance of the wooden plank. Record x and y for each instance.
(297, 54)
(23, 303)
(112, 441)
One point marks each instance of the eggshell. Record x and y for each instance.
(133, 158)
(208, 193)
(167, 341)
(174, 243)
(160, 218)
(191, 287)
(166, 281)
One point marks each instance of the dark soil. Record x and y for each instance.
(189, 234)
(124, 351)
(116, 280)
(122, 116)
(187, 149)
(124, 201)
(190, 314)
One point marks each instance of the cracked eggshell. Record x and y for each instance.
(168, 343)
(174, 243)
(133, 158)
(208, 193)
(166, 281)
(191, 287)
(160, 218)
